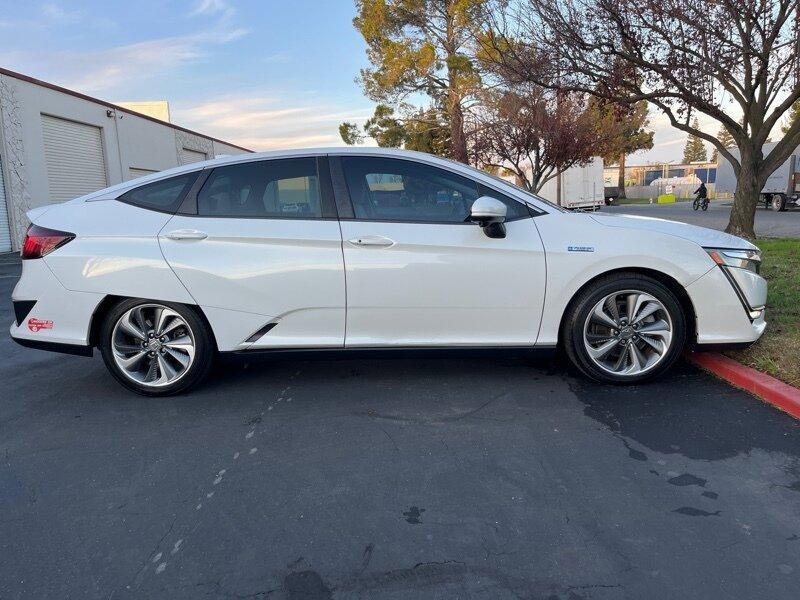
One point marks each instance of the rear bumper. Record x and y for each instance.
(49, 316)
(55, 347)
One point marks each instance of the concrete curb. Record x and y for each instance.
(766, 387)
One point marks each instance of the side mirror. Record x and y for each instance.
(489, 213)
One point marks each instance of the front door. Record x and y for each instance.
(263, 255)
(420, 274)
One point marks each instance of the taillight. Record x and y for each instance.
(40, 241)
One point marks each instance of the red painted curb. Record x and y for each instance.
(766, 387)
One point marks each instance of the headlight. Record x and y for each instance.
(740, 259)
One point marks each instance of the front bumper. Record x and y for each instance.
(751, 289)
(729, 309)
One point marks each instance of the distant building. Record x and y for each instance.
(647, 174)
(158, 109)
(57, 144)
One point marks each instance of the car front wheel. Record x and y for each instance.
(156, 348)
(624, 329)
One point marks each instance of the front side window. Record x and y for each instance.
(165, 195)
(387, 189)
(272, 188)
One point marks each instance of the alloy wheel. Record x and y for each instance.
(628, 333)
(153, 345)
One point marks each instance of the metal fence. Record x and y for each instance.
(654, 191)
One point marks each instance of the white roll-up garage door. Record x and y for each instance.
(73, 154)
(192, 156)
(5, 230)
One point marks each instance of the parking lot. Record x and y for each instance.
(390, 478)
(768, 223)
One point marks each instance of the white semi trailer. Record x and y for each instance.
(582, 187)
(782, 189)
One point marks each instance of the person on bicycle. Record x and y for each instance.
(701, 192)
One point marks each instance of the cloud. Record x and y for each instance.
(55, 12)
(263, 122)
(52, 15)
(262, 144)
(668, 142)
(103, 71)
(213, 7)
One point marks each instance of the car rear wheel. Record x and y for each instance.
(156, 348)
(624, 329)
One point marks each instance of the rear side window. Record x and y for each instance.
(272, 188)
(165, 195)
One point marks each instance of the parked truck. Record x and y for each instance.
(611, 194)
(782, 189)
(582, 187)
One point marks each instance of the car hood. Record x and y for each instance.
(708, 238)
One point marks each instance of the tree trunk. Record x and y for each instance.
(455, 112)
(621, 176)
(458, 141)
(558, 188)
(747, 195)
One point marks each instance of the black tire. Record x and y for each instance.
(704, 205)
(578, 311)
(778, 203)
(198, 370)
(695, 204)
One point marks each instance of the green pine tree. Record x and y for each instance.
(726, 139)
(695, 150)
(794, 114)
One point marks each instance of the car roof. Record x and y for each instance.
(445, 163)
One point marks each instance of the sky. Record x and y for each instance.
(263, 74)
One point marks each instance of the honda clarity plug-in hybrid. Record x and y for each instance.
(368, 249)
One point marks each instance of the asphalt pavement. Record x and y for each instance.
(391, 478)
(768, 223)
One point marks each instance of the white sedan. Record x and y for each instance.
(342, 249)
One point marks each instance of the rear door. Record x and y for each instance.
(419, 273)
(260, 251)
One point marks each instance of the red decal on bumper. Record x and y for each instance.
(36, 324)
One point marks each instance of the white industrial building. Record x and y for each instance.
(56, 144)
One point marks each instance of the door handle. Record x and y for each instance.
(371, 241)
(187, 234)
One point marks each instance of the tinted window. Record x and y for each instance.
(165, 195)
(273, 188)
(401, 190)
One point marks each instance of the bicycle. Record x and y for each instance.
(700, 203)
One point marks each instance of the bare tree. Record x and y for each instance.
(735, 61)
(536, 135)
